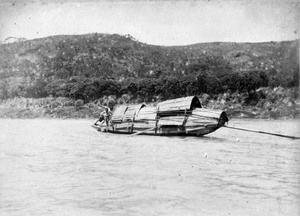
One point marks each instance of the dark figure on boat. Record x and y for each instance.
(105, 116)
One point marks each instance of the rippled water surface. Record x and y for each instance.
(65, 167)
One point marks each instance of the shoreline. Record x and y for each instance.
(264, 103)
(234, 120)
(85, 112)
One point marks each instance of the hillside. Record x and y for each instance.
(95, 65)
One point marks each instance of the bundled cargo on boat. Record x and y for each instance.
(182, 116)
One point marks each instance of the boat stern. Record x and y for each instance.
(204, 121)
(223, 119)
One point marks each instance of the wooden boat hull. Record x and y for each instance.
(164, 130)
(200, 132)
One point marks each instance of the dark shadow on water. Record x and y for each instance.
(219, 139)
(157, 137)
(185, 138)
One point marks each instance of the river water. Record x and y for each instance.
(65, 167)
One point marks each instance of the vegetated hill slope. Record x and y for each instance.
(281, 56)
(41, 61)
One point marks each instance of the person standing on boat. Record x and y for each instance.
(104, 116)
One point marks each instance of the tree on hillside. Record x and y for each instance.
(252, 80)
(4, 89)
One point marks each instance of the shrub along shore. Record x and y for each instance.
(268, 103)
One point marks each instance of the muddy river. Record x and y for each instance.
(65, 167)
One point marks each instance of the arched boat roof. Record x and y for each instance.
(126, 112)
(179, 104)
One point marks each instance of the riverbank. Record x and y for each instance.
(264, 103)
(65, 108)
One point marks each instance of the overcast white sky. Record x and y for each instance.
(155, 22)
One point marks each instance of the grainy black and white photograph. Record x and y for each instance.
(149, 107)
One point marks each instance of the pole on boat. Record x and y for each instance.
(137, 133)
(262, 132)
